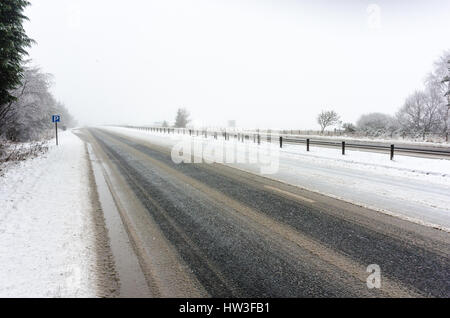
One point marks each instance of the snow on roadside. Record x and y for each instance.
(435, 169)
(47, 242)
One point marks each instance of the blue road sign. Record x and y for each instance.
(56, 118)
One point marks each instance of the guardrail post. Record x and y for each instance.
(392, 152)
(281, 142)
(343, 148)
(307, 144)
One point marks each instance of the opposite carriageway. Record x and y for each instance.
(258, 137)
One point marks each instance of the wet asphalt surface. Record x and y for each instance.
(232, 256)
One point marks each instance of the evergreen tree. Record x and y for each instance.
(13, 44)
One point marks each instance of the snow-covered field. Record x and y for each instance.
(47, 243)
(412, 188)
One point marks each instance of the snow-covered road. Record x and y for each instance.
(417, 189)
(47, 240)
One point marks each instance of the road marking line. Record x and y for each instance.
(290, 194)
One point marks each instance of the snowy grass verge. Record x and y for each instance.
(11, 153)
(47, 238)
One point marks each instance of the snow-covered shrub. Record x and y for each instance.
(376, 124)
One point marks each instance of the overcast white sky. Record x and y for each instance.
(264, 63)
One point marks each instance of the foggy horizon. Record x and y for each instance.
(264, 64)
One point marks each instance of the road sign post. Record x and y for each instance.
(56, 119)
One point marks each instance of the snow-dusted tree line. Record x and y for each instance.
(26, 104)
(424, 112)
(28, 116)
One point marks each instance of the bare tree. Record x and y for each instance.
(438, 87)
(421, 113)
(182, 118)
(327, 118)
(440, 71)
